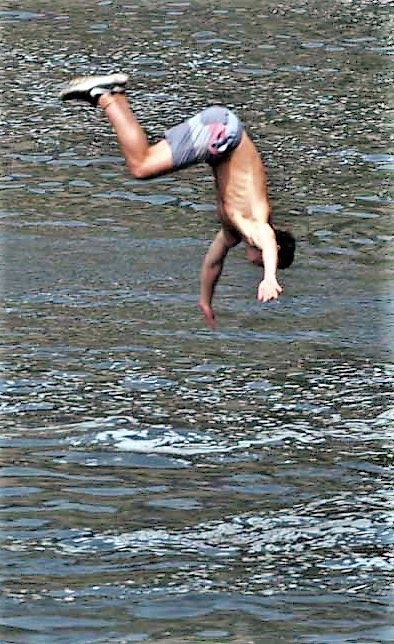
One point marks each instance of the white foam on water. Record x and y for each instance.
(162, 440)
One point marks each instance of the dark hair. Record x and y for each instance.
(287, 243)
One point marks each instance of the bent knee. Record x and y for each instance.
(139, 171)
(156, 161)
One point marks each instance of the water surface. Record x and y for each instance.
(163, 482)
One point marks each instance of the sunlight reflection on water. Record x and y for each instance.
(184, 483)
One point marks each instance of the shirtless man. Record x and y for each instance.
(217, 137)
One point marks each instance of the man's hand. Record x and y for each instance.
(268, 289)
(209, 314)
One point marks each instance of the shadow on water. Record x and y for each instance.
(162, 481)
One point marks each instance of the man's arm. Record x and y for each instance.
(264, 238)
(211, 270)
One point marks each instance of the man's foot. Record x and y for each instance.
(90, 88)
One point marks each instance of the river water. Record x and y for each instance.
(161, 481)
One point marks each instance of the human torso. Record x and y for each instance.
(242, 198)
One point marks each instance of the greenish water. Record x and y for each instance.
(163, 482)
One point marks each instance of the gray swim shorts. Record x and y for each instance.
(209, 136)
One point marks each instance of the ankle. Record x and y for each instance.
(106, 100)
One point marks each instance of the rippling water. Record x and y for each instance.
(163, 482)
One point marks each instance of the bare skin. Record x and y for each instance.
(242, 201)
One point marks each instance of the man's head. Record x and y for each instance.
(286, 247)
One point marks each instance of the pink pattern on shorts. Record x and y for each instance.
(217, 134)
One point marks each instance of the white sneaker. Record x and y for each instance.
(90, 88)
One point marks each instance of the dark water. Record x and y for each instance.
(163, 482)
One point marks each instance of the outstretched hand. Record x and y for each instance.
(209, 314)
(269, 289)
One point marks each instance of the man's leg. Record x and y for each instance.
(143, 160)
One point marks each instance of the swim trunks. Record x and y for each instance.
(209, 136)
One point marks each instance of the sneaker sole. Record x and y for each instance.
(84, 84)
